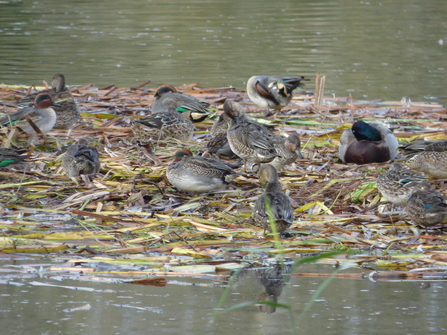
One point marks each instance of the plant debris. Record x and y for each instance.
(129, 223)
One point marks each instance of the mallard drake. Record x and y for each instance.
(429, 157)
(398, 183)
(81, 158)
(280, 205)
(11, 157)
(219, 142)
(251, 141)
(272, 92)
(44, 119)
(366, 143)
(167, 96)
(198, 174)
(427, 208)
(67, 111)
(162, 125)
(288, 150)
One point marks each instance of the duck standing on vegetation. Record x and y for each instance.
(367, 143)
(274, 200)
(162, 125)
(81, 158)
(44, 118)
(167, 96)
(429, 157)
(198, 174)
(427, 208)
(251, 141)
(288, 150)
(67, 111)
(398, 184)
(272, 92)
(219, 142)
(12, 157)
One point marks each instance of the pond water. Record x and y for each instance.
(379, 49)
(186, 306)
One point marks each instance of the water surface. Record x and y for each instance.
(387, 49)
(186, 306)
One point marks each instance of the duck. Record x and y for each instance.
(288, 150)
(44, 116)
(272, 92)
(366, 143)
(427, 208)
(429, 157)
(250, 141)
(167, 96)
(198, 174)
(67, 111)
(162, 125)
(219, 143)
(81, 159)
(12, 157)
(280, 205)
(398, 183)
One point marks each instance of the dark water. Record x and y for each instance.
(186, 306)
(387, 49)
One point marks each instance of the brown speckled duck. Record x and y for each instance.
(81, 158)
(44, 116)
(162, 125)
(429, 157)
(198, 174)
(427, 208)
(67, 111)
(272, 92)
(251, 141)
(288, 150)
(279, 203)
(367, 143)
(398, 183)
(219, 142)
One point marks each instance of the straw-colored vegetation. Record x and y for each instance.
(131, 216)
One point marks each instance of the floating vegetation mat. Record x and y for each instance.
(128, 222)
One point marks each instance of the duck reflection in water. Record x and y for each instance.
(273, 280)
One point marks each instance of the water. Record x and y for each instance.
(186, 306)
(386, 49)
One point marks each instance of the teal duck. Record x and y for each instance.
(81, 158)
(272, 92)
(398, 183)
(162, 125)
(429, 157)
(251, 141)
(280, 205)
(12, 157)
(197, 174)
(427, 208)
(167, 96)
(219, 142)
(367, 143)
(44, 118)
(288, 150)
(67, 111)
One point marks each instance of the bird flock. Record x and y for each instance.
(236, 135)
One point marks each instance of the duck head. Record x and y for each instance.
(182, 153)
(44, 100)
(163, 89)
(58, 82)
(365, 132)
